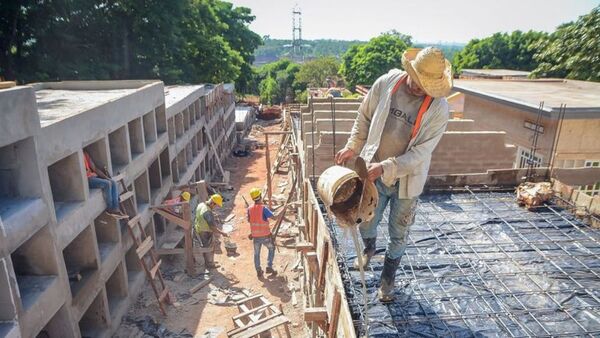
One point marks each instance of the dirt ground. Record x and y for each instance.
(208, 312)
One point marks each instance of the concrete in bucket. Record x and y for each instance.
(340, 189)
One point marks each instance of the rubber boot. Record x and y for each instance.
(388, 277)
(209, 262)
(368, 253)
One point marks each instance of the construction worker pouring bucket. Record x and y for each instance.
(260, 232)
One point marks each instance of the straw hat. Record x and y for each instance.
(430, 69)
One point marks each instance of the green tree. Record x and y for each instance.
(277, 81)
(572, 51)
(501, 50)
(316, 72)
(365, 63)
(175, 41)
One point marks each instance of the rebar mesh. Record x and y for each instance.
(477, 264)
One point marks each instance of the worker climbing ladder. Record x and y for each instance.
(144, 245)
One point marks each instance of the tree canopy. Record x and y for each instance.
(176, 41)
(316, 72)
(501, 50)
(572, 51)
(363, 64)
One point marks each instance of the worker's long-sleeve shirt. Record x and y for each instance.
(411, 167)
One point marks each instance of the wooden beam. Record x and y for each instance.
(335, 315)
(313, 261)
(277, 132)
(305, 247)
(241, 330)
(201, 285)
(315, 314)
(268, 164)
(261, 327)
(323, 267)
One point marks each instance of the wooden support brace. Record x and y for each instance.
(323, 267)
(334, 316)
(313, 261)
(315, 314)
(305, 247)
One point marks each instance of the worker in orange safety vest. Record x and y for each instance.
(260, 232)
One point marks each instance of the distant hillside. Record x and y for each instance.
(274, 49)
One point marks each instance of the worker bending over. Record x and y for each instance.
(399, 124)
(260, 232)
(205, 227)
(98, 179)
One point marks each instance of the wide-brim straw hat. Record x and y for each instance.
(430, 69)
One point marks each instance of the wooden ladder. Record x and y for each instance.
(144, 245)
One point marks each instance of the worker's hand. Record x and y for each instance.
(344, 155)
(374, 171)
(250, 236)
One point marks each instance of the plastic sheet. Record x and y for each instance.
(478, 265)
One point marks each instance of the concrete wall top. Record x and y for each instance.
(93, 85)
(68, 135)
(177, 98)
(18, 114)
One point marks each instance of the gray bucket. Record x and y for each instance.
(340, 189)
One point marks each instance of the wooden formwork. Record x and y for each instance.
(326, 309)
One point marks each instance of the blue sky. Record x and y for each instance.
(425, 20)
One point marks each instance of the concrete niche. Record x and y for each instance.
(150, 132)
(35, 266)
(80, 260)
(119, 149)
(142, 191)
(66, 183)
(136, 137)
(116, 289)
(161, 119)
(94, 322)
(165, 168)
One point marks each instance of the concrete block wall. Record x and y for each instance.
(53, 226)
(464, 148)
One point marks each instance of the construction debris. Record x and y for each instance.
(534, 194)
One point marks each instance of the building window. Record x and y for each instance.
(591, 189)
(524, 158)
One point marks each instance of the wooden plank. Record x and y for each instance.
(251, 311)
(243, 301)
(125, 196)
(212, 145)
(133, 222)
(323, 266)
(262, 327)
(335, 315)
(155, 268)
(201, 285)
(305, 247)
(315, 314)
(254, 324)
(170, 217)
(143, 249)
(313, 261)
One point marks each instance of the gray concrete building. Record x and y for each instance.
(52, 225)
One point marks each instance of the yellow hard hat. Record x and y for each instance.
(217, 199)
(255, 193)
(186, 196)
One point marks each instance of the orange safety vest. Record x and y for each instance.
(88, 166)
(422, 109)
(258, 226)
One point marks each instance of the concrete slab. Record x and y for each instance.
(579, 96)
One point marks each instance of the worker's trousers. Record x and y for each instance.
(206, 239)
(402, 216)
(110, 188)
(258, 243)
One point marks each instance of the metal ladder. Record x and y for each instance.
(144, 245)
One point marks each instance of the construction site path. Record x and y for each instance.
(208, 312)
